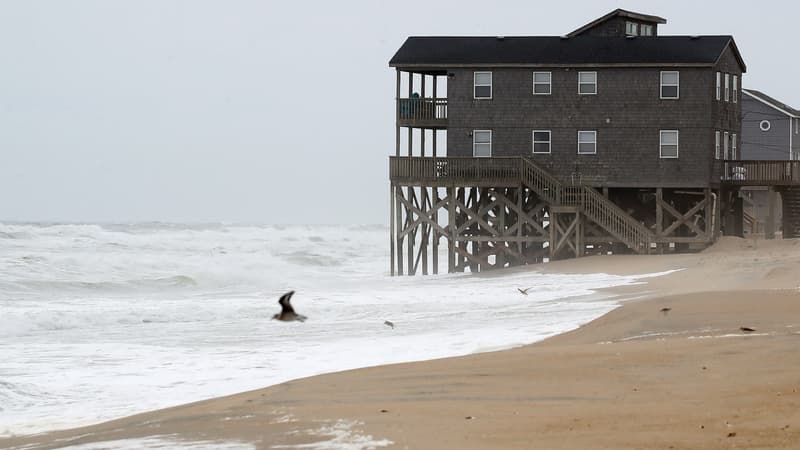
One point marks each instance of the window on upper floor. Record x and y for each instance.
(646, 30)
(587, 142)
(482, 84)
(587, 83)
(631, 28)
(796, 126)
(541, 141)
(670, 84)
(716, 144)
(482, 143)
(735, 89)
(733, 146)
(718, 85)
(764, 125)
(725, 139)
(542, 83)
(668, 144)
(727, 87)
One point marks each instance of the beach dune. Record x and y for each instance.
(639, 377)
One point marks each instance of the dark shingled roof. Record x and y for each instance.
(554, 50)
(777, 103)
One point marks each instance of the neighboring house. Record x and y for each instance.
(770, 131)
(612, 100)
(770, 128)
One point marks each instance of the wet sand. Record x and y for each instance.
(638, 377)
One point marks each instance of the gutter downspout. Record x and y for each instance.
(713, 217)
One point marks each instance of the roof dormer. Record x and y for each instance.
(620, 23)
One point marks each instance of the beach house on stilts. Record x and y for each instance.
(510, 150)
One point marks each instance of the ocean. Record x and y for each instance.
(103, 321)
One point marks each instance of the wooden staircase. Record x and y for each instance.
(512, 171)
(791, 212)
(590, 203)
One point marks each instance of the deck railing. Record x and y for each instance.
(422, 109)
(519, 169)
(761, 173)
(454, 170)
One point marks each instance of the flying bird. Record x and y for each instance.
(665, 310)
(747, 329)
(388, 324)
(524, 291)
(287, 313)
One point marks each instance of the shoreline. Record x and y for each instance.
(655, 378)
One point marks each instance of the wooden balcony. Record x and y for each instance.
(760, 173)
(422, 112)
(496, 171)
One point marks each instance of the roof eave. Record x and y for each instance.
(433, 67)
(769, 103)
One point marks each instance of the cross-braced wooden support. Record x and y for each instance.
(485, 228)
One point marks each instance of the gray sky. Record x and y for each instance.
(261, 111)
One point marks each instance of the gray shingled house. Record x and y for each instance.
(612, 137)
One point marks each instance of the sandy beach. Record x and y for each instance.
(671, 368)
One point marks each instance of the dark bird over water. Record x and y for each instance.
(524, 291)
(287, 313)
(747, 329)
(665, 310)
(388, 324)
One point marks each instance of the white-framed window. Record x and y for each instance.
(668, 144)
(716, 144)
(482, 143)
(542, 83)
(725, 140)
(541, 141)
(796, 126)
(764, 125)
(587, 142)
(587, 83)
(719, 78)
(733, 146)
(670, 84)
(646, 30)
(631, 28)
(727, 87)
(735, 89)
(482, 83)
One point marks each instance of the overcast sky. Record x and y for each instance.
(261, 111)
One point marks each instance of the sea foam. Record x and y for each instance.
(103, 321)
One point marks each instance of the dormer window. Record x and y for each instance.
(646, 30)
(631, 29)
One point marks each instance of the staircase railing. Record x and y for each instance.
(594, 205)
(616, 221)
(591, 203)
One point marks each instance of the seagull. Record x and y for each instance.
(524, 291)
(666, 309)
(287, 313)
(747, 329)
(388, 324)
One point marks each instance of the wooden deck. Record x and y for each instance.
(761, 173)
(512, 172)
(430, 113)
(506, 171)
